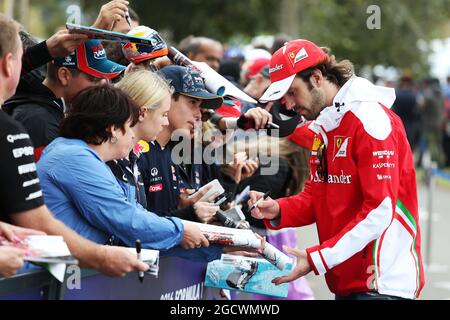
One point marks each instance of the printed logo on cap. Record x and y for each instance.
(297, 56)
(276, 68)
(192, 82)
(99, 52)
(69, 61)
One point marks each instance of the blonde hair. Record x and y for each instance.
(9, 35)
(145, 87)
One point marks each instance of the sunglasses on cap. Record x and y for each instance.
(322, 166)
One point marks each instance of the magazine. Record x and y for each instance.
(151, 257)
(51, 252)
(243, 238)
(218, 84)
(94, 33)
(246, 274)
(215, 186)
(229, 236)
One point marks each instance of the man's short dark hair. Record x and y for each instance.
(94, 110)
(27, 39)
(194, 45)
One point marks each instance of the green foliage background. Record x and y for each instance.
(338, 24)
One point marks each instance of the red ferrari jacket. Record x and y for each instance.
(362, 196)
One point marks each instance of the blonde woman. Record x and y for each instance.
(153, 95)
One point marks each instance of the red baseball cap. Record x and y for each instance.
(255, 66)
(294, 57)
(231, 108)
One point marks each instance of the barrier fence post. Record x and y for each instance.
(431, 186)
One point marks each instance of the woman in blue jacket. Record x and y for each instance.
(81, 190)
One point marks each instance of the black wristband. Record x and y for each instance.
(215, 118)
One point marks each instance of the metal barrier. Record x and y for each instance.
(431, 173)
(178, 279)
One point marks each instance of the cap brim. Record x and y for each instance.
(210, 101)
(104, 69)
(277, 90)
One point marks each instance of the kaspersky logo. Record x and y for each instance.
(276, 68)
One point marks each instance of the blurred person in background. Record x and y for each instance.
(406, 106)
(202, 49)
(433, 119)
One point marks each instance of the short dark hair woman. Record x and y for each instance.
(80, 188)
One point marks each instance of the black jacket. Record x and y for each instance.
(38, 109)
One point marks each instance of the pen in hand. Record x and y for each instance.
(138, 251)
(127, 18)
(264, 197)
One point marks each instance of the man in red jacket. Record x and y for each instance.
(362, 190)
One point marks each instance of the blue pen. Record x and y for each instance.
(138, 251)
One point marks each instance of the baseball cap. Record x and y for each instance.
(231, 107)
(188, 82)
(294, 57)
(252, 68)
(138, 53)
(90, 57)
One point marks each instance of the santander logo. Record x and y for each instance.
(333, 178)
(276, 68)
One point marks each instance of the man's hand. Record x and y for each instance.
(63, 43)
(266, 209)
(205, 211)
(185, 199)
(301, 269)
(14, 233)
(193, 237)
(249, 169)
(118, 261)
(260, 116)
(241, 167)
(241, 251)
(110, 13)
(10, 260)
(162, 62)
(131, 67)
